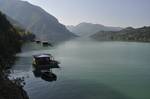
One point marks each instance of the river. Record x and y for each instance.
(89, 70)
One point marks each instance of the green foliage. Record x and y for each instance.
(10, 43)
(25, 35)
(11, 40)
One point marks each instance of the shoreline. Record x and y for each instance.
(10, 90)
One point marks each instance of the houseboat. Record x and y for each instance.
(44, 61)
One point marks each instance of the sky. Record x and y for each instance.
(122, 13)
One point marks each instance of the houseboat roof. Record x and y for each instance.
(42, 55)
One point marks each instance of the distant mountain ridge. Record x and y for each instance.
(128, 34)
(36, 20)
(87, 29)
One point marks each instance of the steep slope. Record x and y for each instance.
(127, 34)
(14, 22)
(11, 39)
(10, 44)
(86, 29)
(36, 20)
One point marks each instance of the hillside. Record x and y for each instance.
(87, 29)
(9, 40)
(10, 44)
(127, 34)
(15, 23)
(36, 20)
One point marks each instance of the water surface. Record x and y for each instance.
(90, 70)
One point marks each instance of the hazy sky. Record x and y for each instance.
(124, 13)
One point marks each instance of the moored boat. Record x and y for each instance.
(45, 75)
(44, 61)
(38, 41)
(46, 43)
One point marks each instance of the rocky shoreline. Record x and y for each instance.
(10, 90)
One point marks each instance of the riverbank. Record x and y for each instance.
(10, 90)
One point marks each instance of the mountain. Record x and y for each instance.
(36, 20)
(86, 29)
(128, 34)
(14, 22)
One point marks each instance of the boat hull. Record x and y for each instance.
(45, 67)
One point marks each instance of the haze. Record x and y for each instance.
(122, 13)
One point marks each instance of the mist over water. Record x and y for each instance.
(89, 70)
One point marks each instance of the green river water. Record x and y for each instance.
(89, 70)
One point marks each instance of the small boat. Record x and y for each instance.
(44, 61)
(45, 75)
(48, 76)
(38, 41)
(46, 43)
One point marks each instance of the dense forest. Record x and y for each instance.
(11, 40)
(127, 34)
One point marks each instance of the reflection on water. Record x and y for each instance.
(90, 70)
